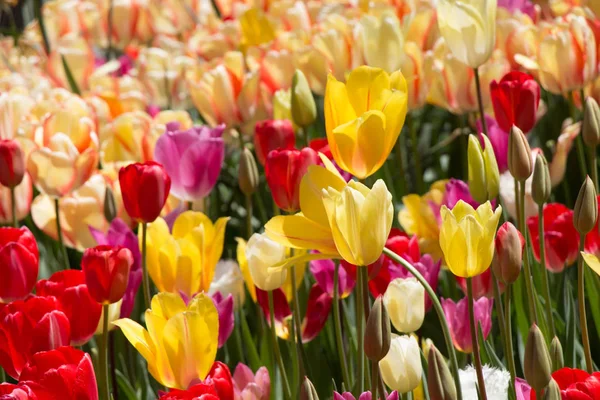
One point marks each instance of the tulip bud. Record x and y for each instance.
(110, 208)
(509, 244)
(439, 379)
(585, 212)
(591, 123)
(304, 109)
(106, 269)
(401, 368)
(556, 354)
(247, 173)
(378, 332)
(405, 302)
(12, 163)
(261, 254)
(484, 176)
(552, 391)
(519, 155)
(308, 391)
(541, 186)
(537, 364)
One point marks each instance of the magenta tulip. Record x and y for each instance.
(457, 315)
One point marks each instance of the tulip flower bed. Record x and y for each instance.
(289, 199)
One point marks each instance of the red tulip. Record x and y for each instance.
(65, 373)
(272, 135)
(576, 384)
(18, 263)
(218, 385)
(21, 391)
(321, 145)
(145, 189)
(28, 326)
(560, 236)
(73, 295)
(483, 285)
(106, 270)
(202, 391)
(515, 99)
(284, 171)
(12, 163)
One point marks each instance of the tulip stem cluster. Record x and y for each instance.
(547, 296)
(589, 366)
(474, 336)
(61, 243)
(337, 324)
(276, 350)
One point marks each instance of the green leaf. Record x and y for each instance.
(592, 287)
(69, 75)
(253, 357)
(571, 329)
(125, 387)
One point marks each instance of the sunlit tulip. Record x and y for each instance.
(469, 28)
(228, 279)
(209, 43)
(382, 41)
(263, 253)
(131, 21)
(275, 69)
(516, 34)
(412, 68)
(483, 171)
(247, 384)
(145, 188)
(323, 272)
(224, 307)
(78, 54)
(256, 28)
(19, 260)
(217, 385)
(467, 237)
(401, 368)
(272, 135)
(175, 358)
(516, 99)
(364, 117)
(106, 269)
(404, 300)
(457, 315)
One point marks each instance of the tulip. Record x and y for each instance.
(537, 365)
(228, 279)
(272, 135)
(469, 28)
(585, 212)
(65, 371)
(509, 244)
(307, 390)
(405, 302)
(145, 188)
(364, 396)
(541, 184)
(439, 379)
(191, 158)
(256, 28)
(262, 254)
(249, 385)
(457, 315)
(556, 354)
(19, 261)
(499, 140)
(323, 271)
(523, 389)
(304, 109)
(364, 118)
(224, 307)
(412, 69)
(248, 178)
(496, 382)
(456, 190)
(520, 163)
(484, 177)
(401, 368)
(28, 326)
(106, 270)
(174, 359)
(516, 99)
(575, 383)
(377, 332)
(382, 41)
(217, 385)
(467, 237)
(284, 171)
(12, 163)
(591, 123)
(19, 391)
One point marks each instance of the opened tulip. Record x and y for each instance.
(405, 303)
(175, 357)
(145, 189)
(192, 158)
(401, 368)
(263, 253)
(382, 41)
(469, 28)
(19, 260)
(272, 135)
(284, 172)
(246, 384)
(364, 117)
(224, 307)
(106, 270)
(457, 315)
(467, 237)
(516, 99)
(12, 163)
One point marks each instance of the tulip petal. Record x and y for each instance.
(300, 259)
(311, 186)
(139, 338)
(166, 305)
(376, 218)
(243, 262)
(368, 88)
(299, 232)
(592, 261)
(337, 105)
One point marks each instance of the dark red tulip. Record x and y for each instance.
(284, 171)
(106, 269)
(73, 295)
(29, 326)
(19, 261)
(516, 99)
(64, 373)
(145, 189)
(12, 163)
(272, 135)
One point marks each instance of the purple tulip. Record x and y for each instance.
(192, 158)
(499, 140)
(323, 271)
(457, 315)
(364, 396)
(119, 234)
(247, 385)
(458, 190)
(224, 307)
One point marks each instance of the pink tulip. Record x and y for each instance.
(523, 389)
(192, 158)
(364, 396)
(249, 386)
(224, 307)
(323, 271)
(457, 315)
(499, 140)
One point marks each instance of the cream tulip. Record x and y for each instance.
(405, 303)
(263, 253)
(401, 368)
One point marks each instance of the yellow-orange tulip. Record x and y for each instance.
(515, 34)
(364, 117)
(256, 28)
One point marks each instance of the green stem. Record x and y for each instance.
(480, 102)
(581, 300)
(360, 332)
(2, 375)
(547, 297)
(509, 343)
(416, 154)
(526, 268)
(13, 207)
(594, 167)
(61, 242)
(374, 378)
(249, 214)
(476, 357)
(366, 310)
(146, 278)
(112, 363)
(438, 309)
(299, 348)
(37, 7)
(275, 344)
(104, 352)
(499, 309)
(337, 325)
(400, 160)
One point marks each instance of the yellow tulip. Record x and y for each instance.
(256, 28)
(180, 343)
(469, 28)
(382, 41)
(364, 117)
(592, 261)
(467, 237)
(185, 261)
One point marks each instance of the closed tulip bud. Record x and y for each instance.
(12, 163)
(145, 189)
(106, 270)
(556, 354)
(273, 135)
(537, 364)
(509, 245)
(247, 173)
(552, 391)
(401, 368)
(405, 302)
(541, 186)
(439, 379)
(484, 176)
(585, 212)
(378, 332)
(591, 123)
(304, 109)
(519, 155)
(110, 208)
(261, 254)
(308, 391)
